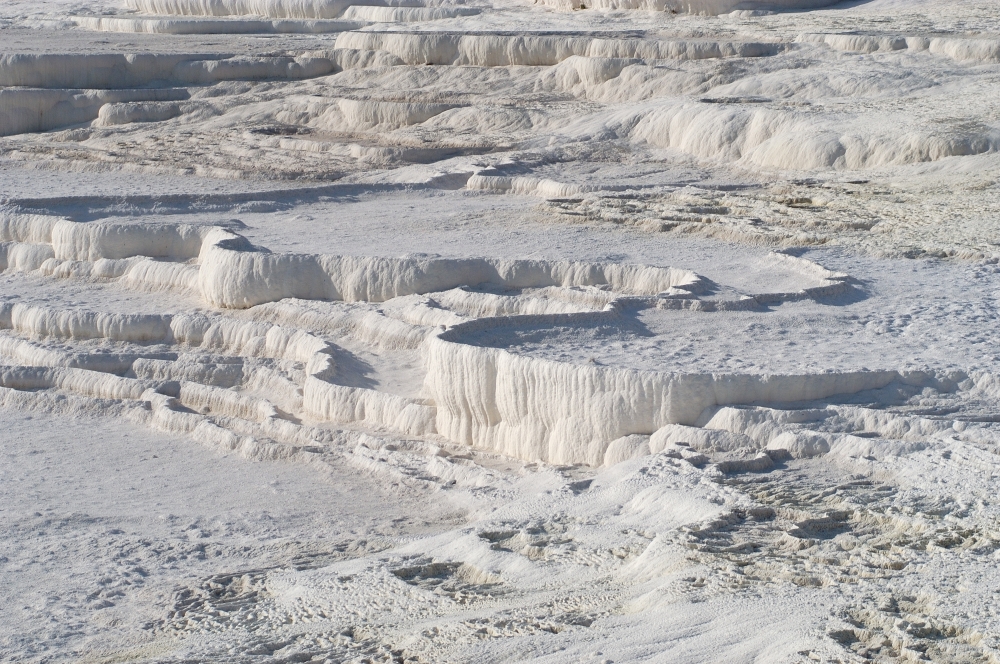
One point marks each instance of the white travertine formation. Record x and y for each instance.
(487, 397)
(523, 186)
(206, 26)
(504, 51)
(374, 329)
(31, 110)
(706, 7)
(368, 114)
(788, 140)
(962, 49)
(207, 399)
(626, 448)
(489, 305)
(412, 256)
(90, 242)
(539, 409)
(144, 111)
(702, 439)
(234, 275)
(213, 374)
(336, 403)
(271, 8)
(116, 71)
(397, 14)
(148, 274)
(322, 400)
(22, 257)
(337, 8)
(37, 321)
(81, 381)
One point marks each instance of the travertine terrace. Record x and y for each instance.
(471, 331)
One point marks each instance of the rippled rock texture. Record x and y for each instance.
(466, 331)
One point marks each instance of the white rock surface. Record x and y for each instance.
(446, 331)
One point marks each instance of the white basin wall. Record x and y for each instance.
(271, 8)
(562, 413)
(487, 397)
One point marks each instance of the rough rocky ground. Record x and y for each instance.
(497, 332)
